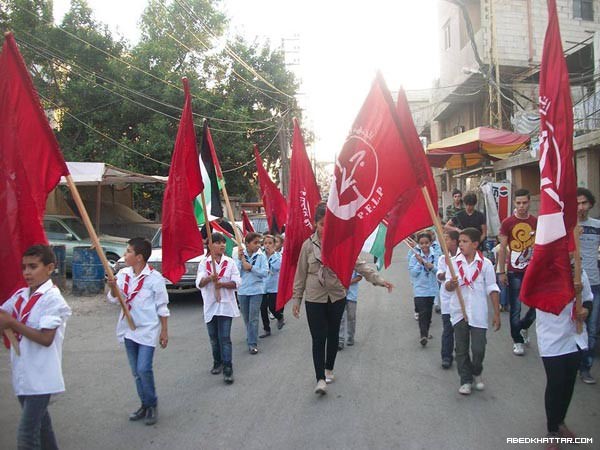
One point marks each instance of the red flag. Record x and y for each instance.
(304, 196)
(373, 170)
(273, 201)
(246, 224)
(181, 237)
(31, 165)
(548, 281)
(410, 212)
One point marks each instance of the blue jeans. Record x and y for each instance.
(592, 329)
(447, 338)
(140, 359)
(516, 323)
(250, 309)
(503, 293)
(35, 427)
(219, 332)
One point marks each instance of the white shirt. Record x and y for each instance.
(228, 305)
(444, 294)
(39, 369)
(557, 335)
(147, 306)
(475, 296)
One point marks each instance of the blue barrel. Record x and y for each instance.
(59, 276)
(88, 272)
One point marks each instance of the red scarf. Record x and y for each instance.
(461, 271)
(129, 296)
(209, 268)
(21, 313)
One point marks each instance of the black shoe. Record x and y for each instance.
(280, 323)
(253, 350)
(341, 346)
(151, 415)
(437, 309)
(217, 367)
(446, 363)
(228, 375)
(265, 334)
(139, 414)
(423, 341)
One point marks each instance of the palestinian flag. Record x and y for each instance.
(212, 178)
(229, 239)
(375, 244)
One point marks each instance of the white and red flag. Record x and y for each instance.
(374, 169)
(180, 234)
(303, 199)
(31, 165)
(272, 198)
(548, 281)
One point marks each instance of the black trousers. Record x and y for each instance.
(424, 306)
(268, 304)
(324, 323)
(561, 373)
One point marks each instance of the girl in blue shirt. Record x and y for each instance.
(271, 282)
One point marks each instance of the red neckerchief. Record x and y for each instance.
(21, 312)
(130, 296)
(209, 268)
(461, 271)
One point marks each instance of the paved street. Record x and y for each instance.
(389, 392)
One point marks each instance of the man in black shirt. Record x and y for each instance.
(469, 218)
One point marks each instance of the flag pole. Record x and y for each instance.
(96, 244)
(236, 232)
(577, 278)
(438, 227)
(210, 241)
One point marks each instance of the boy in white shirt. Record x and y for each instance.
(145, 294)
(219, 313)
(38, 316)
(477, 280)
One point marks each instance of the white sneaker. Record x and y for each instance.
(518, 349)
(329, 377)
(465, 389)
(479, 383)
(321, 388)
(525, 335)
(416, 316)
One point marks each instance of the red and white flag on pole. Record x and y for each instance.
(180, 234)
(303, 199)
(31, 165)
(272, 198)
(373, 170)
(548, 281)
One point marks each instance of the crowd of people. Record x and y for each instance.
(246, 284)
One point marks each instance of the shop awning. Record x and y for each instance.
(94, 173)
(471, 147)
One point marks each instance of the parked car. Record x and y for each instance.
(70, 232)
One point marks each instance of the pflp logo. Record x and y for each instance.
(503, 191)
(356, 173)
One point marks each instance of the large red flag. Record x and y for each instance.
(272, 198)
(410, 212)
(548, 281)
(303, 199)
(373, 170)
(180, 234)
(31, 165)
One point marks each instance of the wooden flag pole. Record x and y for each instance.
(577, 278)
(10, 335)
(210, 241)
(96, 244)
(236, 232)
(438, 227)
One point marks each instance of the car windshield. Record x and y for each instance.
(157, 239)
(75, 225)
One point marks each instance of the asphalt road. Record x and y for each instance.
(389, 392)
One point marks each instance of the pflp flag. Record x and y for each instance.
(246, 224)
(31, 165)
(303, 197)
(180, 234)
(212, 178)
(373, 170)
(272, 198)
(410, 212)
(548, 280)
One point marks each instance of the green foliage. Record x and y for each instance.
(133, 94)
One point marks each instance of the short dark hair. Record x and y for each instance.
(456, 191)
(141, 246)
(251, 236)
(472, 233)
(452, 234)
(320, 211)
(44, 252)
(218, 237)
(522, 193)
(470, 199)
(424, 235)
(587, 194)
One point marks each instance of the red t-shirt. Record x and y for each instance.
(520, 235)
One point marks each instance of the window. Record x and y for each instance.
(583, 9)
(446, 34)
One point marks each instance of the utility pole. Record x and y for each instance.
(284, 155)
(494, 94)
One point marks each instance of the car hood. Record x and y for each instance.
(156, 256)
